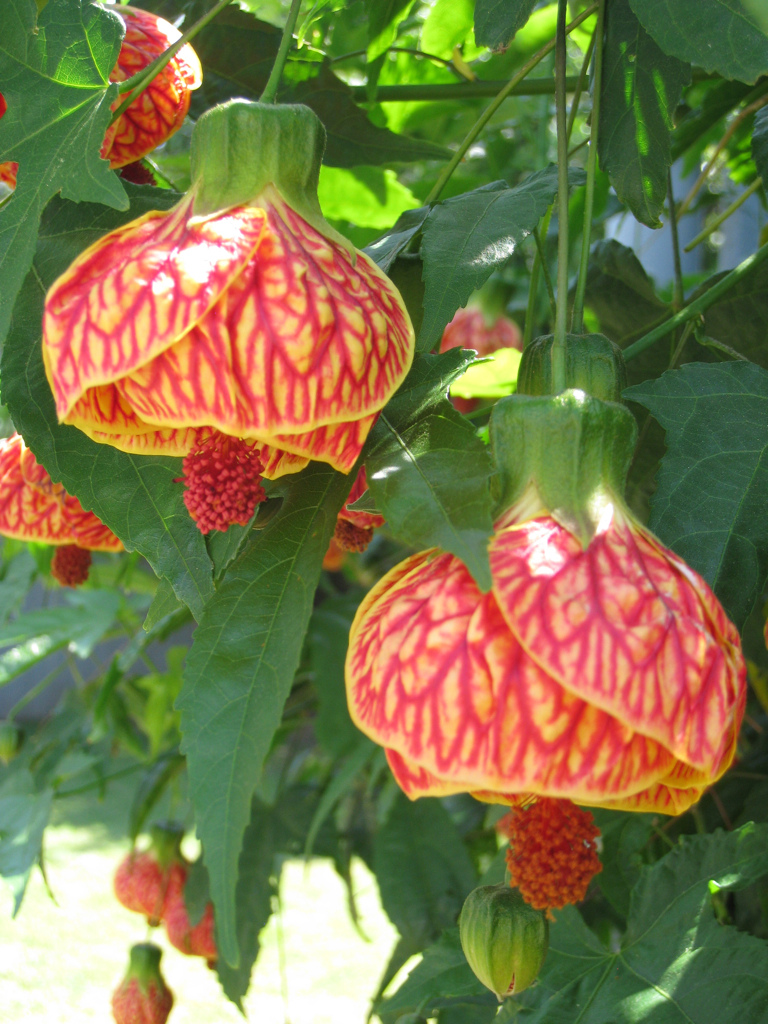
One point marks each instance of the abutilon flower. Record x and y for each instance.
(158, 111)
(34, 508)
(142, 997)
(354, 527)
(599, 668)
(237, 322)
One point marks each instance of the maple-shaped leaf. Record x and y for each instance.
(54, 70)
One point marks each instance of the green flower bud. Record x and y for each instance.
(504, 940)
(10, 740)
(593, 364)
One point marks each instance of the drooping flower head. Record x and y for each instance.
(599, 668)
(142, 997)
(159, 110)
(470, 329)
(34, 508)
(239, 314)
(354, 527)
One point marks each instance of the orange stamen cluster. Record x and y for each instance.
(552, 855)
(70, 565)
(223, 483)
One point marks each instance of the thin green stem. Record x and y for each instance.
(533, 288)
(698, 305)
(396, 49)
(100, 781)
(270, 89)
(561, 318)
(714, 224)
(678, 295)
(34, 692)
(491, 109)
(577, 322)
(478, 89)
(580, 86)
(545, 271)
(139, 82)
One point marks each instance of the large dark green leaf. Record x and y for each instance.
(641, 87)
(760, 144)
(469, 236)
(385, 250)
(675, 964)
(740, 317)
(255, 887)
(620, 293)
(727, 37)
(422, 868)
(712, 496)
(240, 51)
(428, 471)
(497, 21)
(134, 495)
(383, 19)
(328, 638)
(240, 670)
(54, 72)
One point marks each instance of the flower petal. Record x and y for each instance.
(621, 626)
(136, 291)
(435, 675)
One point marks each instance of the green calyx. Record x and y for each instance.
(144, 965)
(574, 450)
(593, 364)
(504, 939)
(166, 842)
(241, 148)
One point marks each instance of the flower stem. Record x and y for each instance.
(491, 109)
(717, 221)
(270, 89)
(698, 305)
(558, 347)
(139, 82)
(678, 297)
(577, 322)
(533, 289)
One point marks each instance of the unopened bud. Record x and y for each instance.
(504, 940)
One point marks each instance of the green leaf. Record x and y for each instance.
(255, 888)
(422, 868)
(328, 636)
(624, 835)
(383, 19)
(239, 51)
(17, 574)
(641, 87)
(492, 377)
(725, 37)
(54, 70)
(385, 250)
(675, 963)
(740, 318)
(345, 780)
(240, 670)
(164, 603)
(497, 21)
(79, 626)
(620, 293)
(24, 813)
(760, 143)
(427, 469)
(469, 236)
(710, 506)
(448, 24)
(442, 974)
(370, 197)
(135, 495)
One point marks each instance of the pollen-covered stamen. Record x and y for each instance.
(138, 173)
(70, 565)
(223, 483)
(552, 854)
(350, 537)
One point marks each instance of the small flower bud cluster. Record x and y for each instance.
(70, 565)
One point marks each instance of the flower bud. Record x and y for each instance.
(593, 364)
(504, 940)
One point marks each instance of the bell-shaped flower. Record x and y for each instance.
(471, 329)
(156, 113)
(34, 508)
(599, 668)
(239, 314)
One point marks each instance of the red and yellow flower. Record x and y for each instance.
(599, 668)
(34, 508)
(159, 110)
(239, 314)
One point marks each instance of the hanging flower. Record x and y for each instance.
(239, 314)
(354, 527)
(142, 997)
(159, 111)
(34, 508)
(599, 668)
